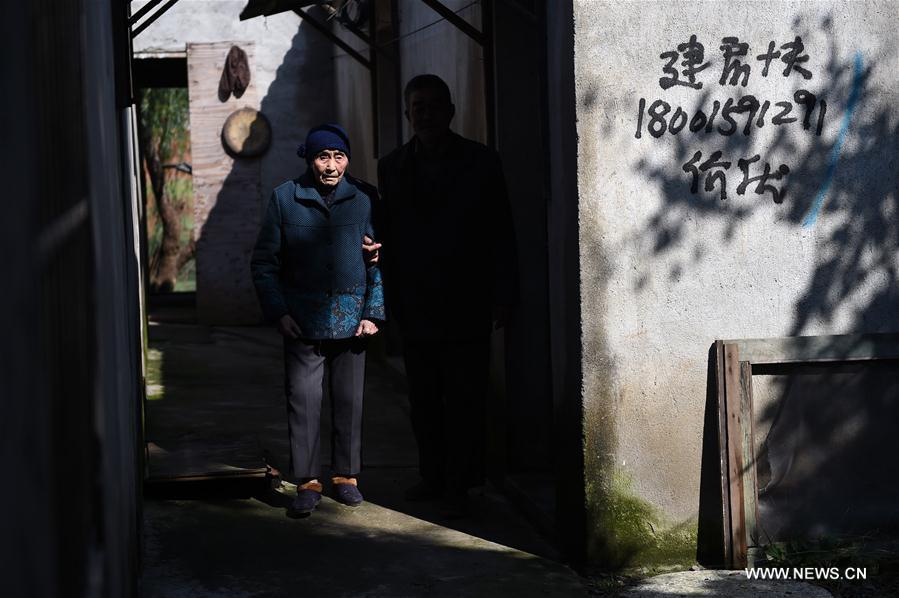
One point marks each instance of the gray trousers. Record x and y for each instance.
(304, 362)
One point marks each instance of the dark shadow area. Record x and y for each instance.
(173, 308)
(710, 533)
(826, 463)
(70, 368)
(213, 489)
(159, 72)
(211, 396)
(564, 287)
(523, 457)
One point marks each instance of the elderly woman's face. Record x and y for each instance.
(329, 166)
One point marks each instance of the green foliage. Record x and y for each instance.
(878, 556)
(164, 131)
(164, 121)
(154, 382)
(178, 191)
(826, 551)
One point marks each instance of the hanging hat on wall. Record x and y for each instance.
(236, 74)
(246, 133)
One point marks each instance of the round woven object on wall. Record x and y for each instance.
(247, 133)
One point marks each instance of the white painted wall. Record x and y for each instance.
(665, 272)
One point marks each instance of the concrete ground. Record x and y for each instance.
(733, 584)
(234, 547)
(215, 400)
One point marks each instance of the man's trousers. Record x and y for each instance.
(304, 362)
(447, 392)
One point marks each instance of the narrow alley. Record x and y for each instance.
(216, 404)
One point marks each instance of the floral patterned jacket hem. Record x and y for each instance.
(308, 261)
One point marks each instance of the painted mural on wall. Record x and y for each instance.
(696, 65)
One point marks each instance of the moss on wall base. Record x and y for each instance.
(626, 532)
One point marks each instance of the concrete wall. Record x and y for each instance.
(666, 270)
(292, 72)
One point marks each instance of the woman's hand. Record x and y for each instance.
(370, 253)
(366, 328)
(288, 327)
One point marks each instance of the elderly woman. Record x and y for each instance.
(312, 281)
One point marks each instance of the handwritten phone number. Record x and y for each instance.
(657, 121)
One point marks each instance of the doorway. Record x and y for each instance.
(218, 367)
(164, 137)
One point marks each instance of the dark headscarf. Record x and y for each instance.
(327, 136)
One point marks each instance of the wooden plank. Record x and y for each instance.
(735, 410)
(722, 452)
(260, 472)
(750, 484)
(818, 349)
(204, 458)
(734, 455)
(227, 196)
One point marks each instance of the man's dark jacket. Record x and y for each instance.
(308, 259)
(449, 254)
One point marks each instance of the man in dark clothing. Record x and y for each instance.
(449, 265)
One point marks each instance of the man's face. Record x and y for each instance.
(429, 113)
(329, 166)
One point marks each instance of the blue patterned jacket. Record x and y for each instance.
(308, 261)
